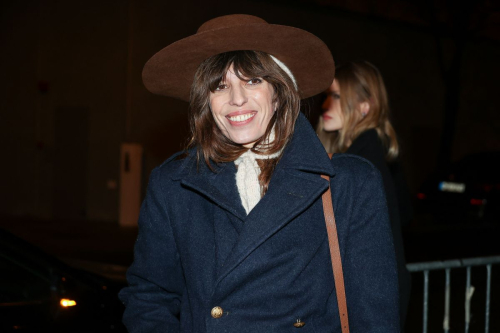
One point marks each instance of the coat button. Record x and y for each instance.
(217, 312)
(299, 324)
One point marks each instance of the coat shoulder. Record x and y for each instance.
(352, 165)
(164, 180)
(175, 165)
(354, 171)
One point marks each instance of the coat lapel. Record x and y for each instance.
(289, 194)
(218, 187)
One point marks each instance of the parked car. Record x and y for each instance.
(39, 293)
(468, 190)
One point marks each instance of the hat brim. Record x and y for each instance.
(170, 72)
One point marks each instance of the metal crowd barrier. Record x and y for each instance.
(447, 265)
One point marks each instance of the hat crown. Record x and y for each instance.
(230, 21)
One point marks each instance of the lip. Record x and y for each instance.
(252, 113)
(326, 117)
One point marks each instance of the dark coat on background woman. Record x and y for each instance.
(197, 248)
(369, 146)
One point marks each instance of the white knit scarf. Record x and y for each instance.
(247, 177)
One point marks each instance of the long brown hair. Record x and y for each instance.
(211, 144)
(360, 82)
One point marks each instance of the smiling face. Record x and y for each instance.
(333, 119)
(242, 109)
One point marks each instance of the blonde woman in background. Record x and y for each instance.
(355, 120)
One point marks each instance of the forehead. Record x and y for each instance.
(232, 74)
(335, 86)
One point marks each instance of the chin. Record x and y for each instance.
(331, 127)
(243, 142)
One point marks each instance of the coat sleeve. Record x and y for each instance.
(369, 265)
(155, 279)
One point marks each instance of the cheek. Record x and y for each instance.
(336, 108)
(215, 114)
(268, 98)
(218, 121)
(220, 125)
(270, 114)
(215, 108)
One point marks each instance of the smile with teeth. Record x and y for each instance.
(241, 117)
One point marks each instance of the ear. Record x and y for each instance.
(364, 108)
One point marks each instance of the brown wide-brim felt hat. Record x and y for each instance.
(170, 72)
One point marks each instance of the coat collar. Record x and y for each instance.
(304, 152)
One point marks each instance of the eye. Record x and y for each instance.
(332, 94)
(254, 81)
(221, 86)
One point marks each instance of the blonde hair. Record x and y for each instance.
(360, 82)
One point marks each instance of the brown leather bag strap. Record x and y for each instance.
(333, 242)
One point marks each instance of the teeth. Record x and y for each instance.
(242, 117)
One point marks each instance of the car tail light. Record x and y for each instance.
(66, 303)
(421, 196)
(477, 202)
(487, 187)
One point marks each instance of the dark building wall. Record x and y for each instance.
(478, 123)
(65, 70)
(78, 65)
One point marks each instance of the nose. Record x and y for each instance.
(238, 95)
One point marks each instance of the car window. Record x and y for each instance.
(19, 283)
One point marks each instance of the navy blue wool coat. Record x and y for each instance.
(197, 249)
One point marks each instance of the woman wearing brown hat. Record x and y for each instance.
(232, 234)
